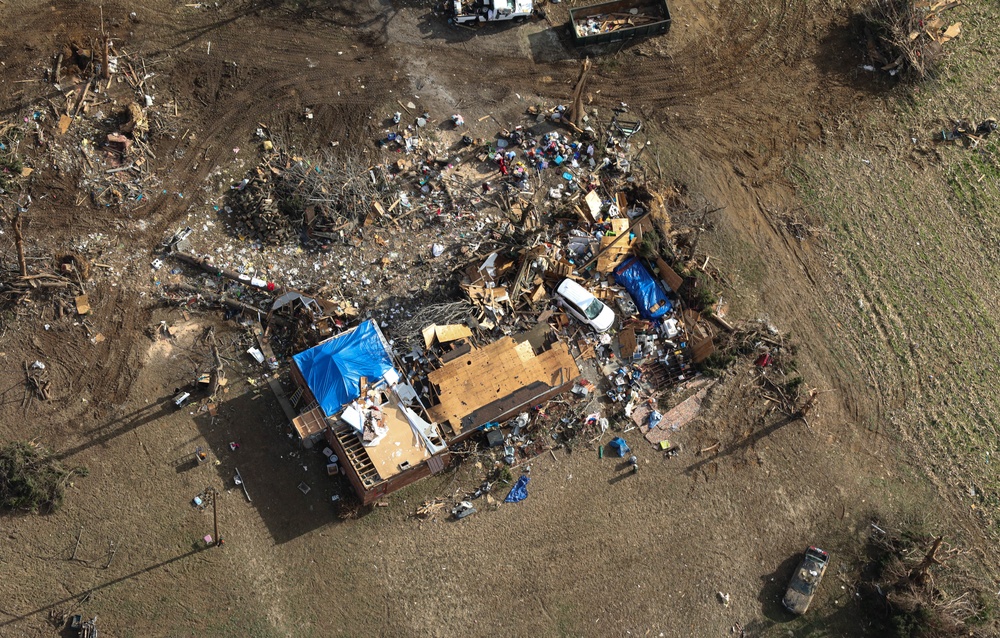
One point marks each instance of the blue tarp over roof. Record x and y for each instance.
(334, 368)
(645, 291)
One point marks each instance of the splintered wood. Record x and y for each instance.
(430, 508)
(907, 35)
(613, 247)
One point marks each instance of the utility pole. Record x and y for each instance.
(215, 516)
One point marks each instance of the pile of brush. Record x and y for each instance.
(907, 37)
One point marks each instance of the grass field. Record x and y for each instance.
(912, 228)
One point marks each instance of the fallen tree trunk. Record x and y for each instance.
(205, 264)
(225, 301)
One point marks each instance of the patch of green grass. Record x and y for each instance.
(920, 246)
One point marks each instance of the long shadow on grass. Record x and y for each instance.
(841, 56)
(744, 444)
(774, 586)
(122, 425)
(19, 617)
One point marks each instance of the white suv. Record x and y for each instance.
(587, 308)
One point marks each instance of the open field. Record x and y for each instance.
(757, 107)
(910, 226)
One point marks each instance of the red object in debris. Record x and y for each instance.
(270, 286)
(764, 360)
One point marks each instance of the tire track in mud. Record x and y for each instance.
(749, 91)
(322, 68)
(746, 99)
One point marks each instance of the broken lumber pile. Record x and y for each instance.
(907, 35)
(285, 197)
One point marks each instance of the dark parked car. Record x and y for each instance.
(805, 581)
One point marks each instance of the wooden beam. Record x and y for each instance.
(617, 239)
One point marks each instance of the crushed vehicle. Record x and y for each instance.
(650, 299)
(805, 581)
(490, 10)
(587, 308)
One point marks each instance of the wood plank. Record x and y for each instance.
(429, 334)
(668, 275)
(626, 340)
(593, 201)
(401, 445)
(612, 250)
(452, 332)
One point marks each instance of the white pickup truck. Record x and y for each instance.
(490, 10)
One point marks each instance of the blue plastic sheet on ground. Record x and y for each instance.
(647, 293)
(519, 492)
(334, 368)
(619, 445)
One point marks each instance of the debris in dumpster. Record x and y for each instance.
(610, 22)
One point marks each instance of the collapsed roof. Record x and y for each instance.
(333, 369)
(500, 379)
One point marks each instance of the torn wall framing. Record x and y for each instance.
(375, 425)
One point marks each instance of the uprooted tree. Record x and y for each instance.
(903, 599)
(287, 197)
(32, 479)
(906, 37)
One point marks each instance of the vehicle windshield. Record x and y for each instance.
(594, 309)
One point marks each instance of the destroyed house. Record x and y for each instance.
(497, 381)
(374, 424)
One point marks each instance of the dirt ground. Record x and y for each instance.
(746, 103)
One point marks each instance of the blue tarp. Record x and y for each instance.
(334, 368)
(619, 445)
(644, 289)
(519, 492)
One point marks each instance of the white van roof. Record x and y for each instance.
(574, 292)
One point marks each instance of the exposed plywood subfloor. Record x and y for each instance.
(400, 445)
(488, 374)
